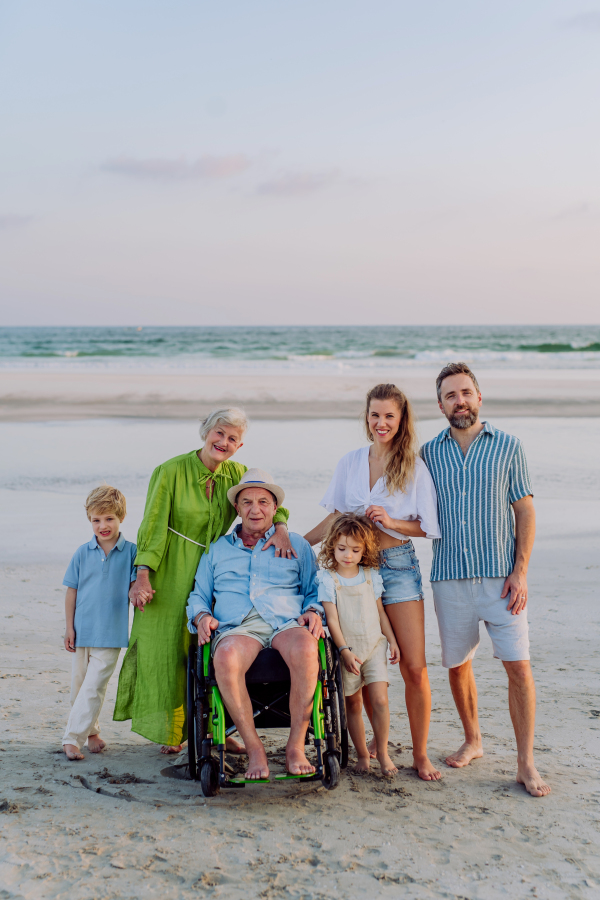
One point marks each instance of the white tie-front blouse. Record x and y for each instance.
(349, 491)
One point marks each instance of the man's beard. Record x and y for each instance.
(464, 421)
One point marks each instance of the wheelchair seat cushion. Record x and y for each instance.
(268, 666)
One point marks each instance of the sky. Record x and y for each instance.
(272, 162)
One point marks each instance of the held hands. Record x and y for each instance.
(378, 515)
(281, 541)
(395, 655)
(205, 626)
(313, 621)
(141, 591)
(70, 640)
(351, 661)
(516, 585)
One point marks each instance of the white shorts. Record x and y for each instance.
(461, 604)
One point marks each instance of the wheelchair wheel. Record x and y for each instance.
(331, 775)
(339, 726)
(209, 777)
(341, 699)
(191, 712)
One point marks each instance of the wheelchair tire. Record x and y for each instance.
(191, 712)
(331, 775)
(209, 777)
(341, 699)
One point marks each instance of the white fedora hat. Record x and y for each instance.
(256, 478)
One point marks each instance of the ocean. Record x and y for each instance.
(297, 349)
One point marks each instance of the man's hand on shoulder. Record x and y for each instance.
(313, 622)
(281, 541)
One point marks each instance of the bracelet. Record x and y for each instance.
(345, 647)
(200, 619)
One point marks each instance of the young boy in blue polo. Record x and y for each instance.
(97, 613)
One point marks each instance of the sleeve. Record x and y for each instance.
(201, 597)
(519, 482)
(133, 576)
(282, 515)
(377, 583)
(427, 505)
(71, 578)
(308, 579)
(153, 532)
(326, 587)
(335, 495)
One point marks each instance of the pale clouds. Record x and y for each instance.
(298, 183)
(13, 220)
(160, 169)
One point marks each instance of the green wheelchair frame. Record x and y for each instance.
(268, 687)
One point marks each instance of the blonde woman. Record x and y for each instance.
(389, 483)
(186, 510)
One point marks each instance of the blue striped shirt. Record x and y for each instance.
(475, 493)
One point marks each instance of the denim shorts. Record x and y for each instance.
(399, 568)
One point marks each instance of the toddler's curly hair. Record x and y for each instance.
(106, 499)
(361, 529)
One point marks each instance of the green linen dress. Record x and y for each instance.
(152, 683)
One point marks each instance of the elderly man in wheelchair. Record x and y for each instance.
(260, 601)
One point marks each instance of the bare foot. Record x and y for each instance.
(258, 766)
(363, 764)
(95, 743)
(531, 780)
(464, 756)
(296, 762)
(72, 752)
(372, 748)
(427, 771)
(166, 748)
(387, 766)
(233, 746)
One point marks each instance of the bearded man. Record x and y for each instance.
(479, 570)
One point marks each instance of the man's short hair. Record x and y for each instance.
(459, 368)
(104, 500)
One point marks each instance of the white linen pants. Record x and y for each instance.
(92, 668)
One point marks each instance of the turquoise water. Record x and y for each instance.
(298, 347)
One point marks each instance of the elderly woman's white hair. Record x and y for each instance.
(231, 415)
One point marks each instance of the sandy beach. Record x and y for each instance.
(46, 395)
(117, 825)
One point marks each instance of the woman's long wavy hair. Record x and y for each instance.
(358, 527)
(400, 467)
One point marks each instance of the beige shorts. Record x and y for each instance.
(253, 625)
(373, 669)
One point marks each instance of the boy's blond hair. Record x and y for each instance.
(106, 499)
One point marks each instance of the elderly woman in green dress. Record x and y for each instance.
(186, 510)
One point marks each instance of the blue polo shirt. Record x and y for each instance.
(102, 584)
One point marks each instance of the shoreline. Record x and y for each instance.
(54, 396)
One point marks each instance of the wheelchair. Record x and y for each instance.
(268, 683)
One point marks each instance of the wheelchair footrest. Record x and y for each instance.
(249, 780)
(288, 777)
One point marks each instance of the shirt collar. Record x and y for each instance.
(94, 545)
(487, 429)
(238, 542)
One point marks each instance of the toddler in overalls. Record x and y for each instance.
(350, 589)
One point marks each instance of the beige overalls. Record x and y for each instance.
(359, 621)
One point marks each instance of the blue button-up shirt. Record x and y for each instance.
(102, 584)
(475, 496)
(239, 578)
